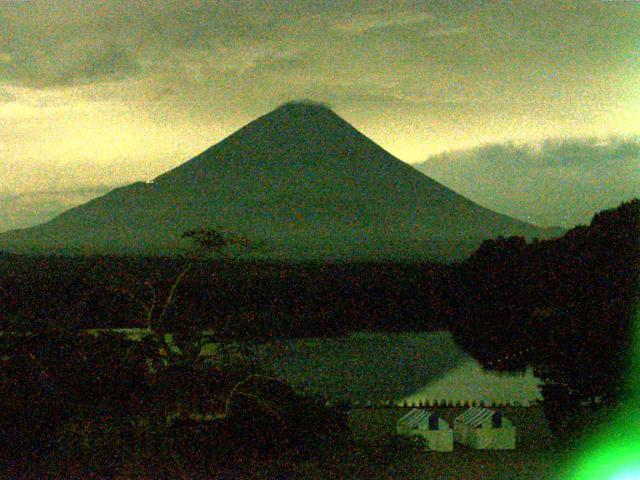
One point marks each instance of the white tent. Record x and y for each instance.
(482, 428)
(436, 432)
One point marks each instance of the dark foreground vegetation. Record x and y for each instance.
(74, 405)
(80, 406)
(565, 306)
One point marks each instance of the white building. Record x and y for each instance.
(436, 432)
(482, 428)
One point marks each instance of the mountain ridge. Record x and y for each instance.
(301, 180)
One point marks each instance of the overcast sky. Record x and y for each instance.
(559, 182)
(111, 91)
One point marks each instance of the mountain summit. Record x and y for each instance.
(299, 180)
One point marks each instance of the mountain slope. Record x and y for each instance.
(301, 180)
(19, 210)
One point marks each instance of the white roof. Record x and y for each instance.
(417, 418)
(475, 416)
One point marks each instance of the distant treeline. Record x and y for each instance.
(236, 299)
(565, 306)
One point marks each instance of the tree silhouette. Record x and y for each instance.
(186, 336)
(564, 306)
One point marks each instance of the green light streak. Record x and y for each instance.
(613, 453)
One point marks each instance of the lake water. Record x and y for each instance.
(379, 367)
(383, 367)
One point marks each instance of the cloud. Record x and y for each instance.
(282, 64)
(82, 42)
(554, 182)
(379, 20)
(262, 57)
(585, 153)
(380, 97)
(406, 105)
(554, 153)
(397, 24)
(70, 64)
(137, 81)
(108, 62)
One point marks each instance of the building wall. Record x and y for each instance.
(485, 437)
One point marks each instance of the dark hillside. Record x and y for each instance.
(565, 306)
